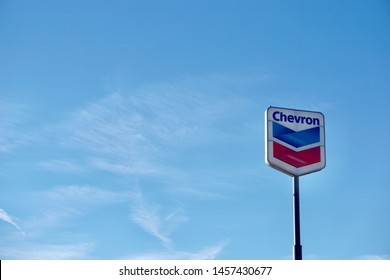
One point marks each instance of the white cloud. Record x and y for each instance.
(63, 204)
(6, 218)
(148, 216)
(208, 253)
(374, 257)
(113, 135)
(57, 165)
(75, 251)
(122, 168)
(50, 218)
(150, 131)
(84, 194)
(139, 133)
(12, 117)
(197, 193)
(143, 133)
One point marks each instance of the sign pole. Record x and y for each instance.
(295, 145)
(297, 249)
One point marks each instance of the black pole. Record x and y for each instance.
(297, 249)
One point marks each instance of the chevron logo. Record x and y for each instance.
(297, 159)
(295, 140)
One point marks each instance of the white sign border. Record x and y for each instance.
(283, 166)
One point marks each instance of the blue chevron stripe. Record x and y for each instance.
(296, 138)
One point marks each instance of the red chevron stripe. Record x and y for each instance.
(297, 159)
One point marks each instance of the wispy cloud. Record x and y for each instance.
(147, 132)
(112, 165)
(66, 203)
(12, 117)
(153, 130)
(139, 132)
(149, 217)
(113, 135)
(6, 218)
(374, 257)
(197, 193)
(84, 194)
(73, 251)
(57, 165)
(208, 253)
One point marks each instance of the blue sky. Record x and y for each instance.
(135, 129)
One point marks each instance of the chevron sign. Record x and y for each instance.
(295, 140)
